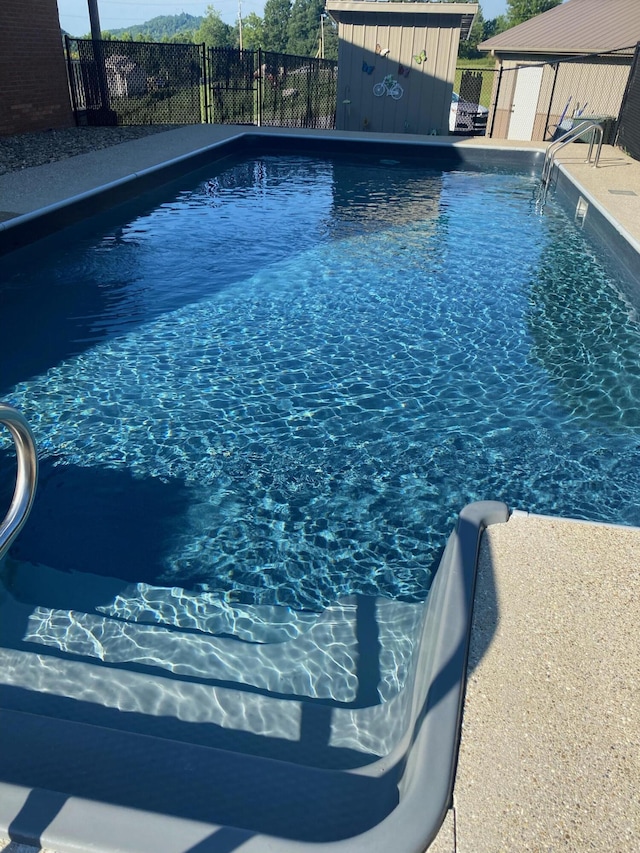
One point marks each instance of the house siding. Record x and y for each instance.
(34, 94)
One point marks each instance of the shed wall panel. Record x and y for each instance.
(374, 45)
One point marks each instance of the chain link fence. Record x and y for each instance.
(629, 125)
(232, 86)
(296, 91)
(120, 82)
(472, 89)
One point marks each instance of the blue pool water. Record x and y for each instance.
(281, 385)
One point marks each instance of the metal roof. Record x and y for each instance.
(576, 26)
(464, 11)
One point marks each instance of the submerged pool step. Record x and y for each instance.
(189, 781)
(142, 602)
(356, 652)
(100, 756)
(333, 697)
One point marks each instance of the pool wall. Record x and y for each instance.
(396, 803)
(620, 249)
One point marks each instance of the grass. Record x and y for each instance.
(488, 75)
(167, 106)
(481, 62)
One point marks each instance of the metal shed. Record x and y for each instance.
(396, 63)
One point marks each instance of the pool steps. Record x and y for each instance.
(356, 656)
(358, 759)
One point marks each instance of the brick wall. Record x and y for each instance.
(34, 94)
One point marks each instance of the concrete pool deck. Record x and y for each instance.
(550, 751)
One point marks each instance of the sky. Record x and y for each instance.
(74, 14)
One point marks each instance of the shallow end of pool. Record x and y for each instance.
(418, 774)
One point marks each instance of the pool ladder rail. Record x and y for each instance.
(26, 477)
(572, 135)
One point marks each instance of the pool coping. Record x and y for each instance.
(549, 750)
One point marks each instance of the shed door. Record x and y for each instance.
(525, 102)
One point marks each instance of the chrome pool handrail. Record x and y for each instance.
(571, 136)
(26, 477)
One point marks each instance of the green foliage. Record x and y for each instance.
(495, 27)
(214, 32)
(162, 27)
(183, 37)
(520, 11)
(252, 32)
(282, 30)
(330, 38)
(304, 27)
(468, 48)
(276, 24)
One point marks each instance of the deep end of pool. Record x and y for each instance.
(24, 230)
(73, 784)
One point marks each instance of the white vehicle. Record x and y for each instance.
(465, 116)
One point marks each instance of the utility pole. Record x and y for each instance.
(240, 22)
(322, 17)
(98, 55)
(94, 19)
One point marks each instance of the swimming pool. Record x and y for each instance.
(279, 387)
(299, 370)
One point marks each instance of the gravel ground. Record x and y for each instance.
(33, 149)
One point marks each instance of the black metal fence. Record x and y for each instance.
(297, 91)
(542, 100)
(629, 125)
(473, 88)
(119, 82)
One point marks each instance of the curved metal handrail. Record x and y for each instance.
(570, 136)
(26, 478)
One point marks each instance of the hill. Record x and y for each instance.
(162, 25)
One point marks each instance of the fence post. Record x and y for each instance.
(259, 88)
(205, 87)
(627, 89)
(495, 103)
(72, 82)
(553, 89)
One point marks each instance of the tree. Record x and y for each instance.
(494, 27)
(275, 25)
(330, 38)
(304, 27)
(213, 31)
(520, 11)
(252, 32)
(183, 37)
